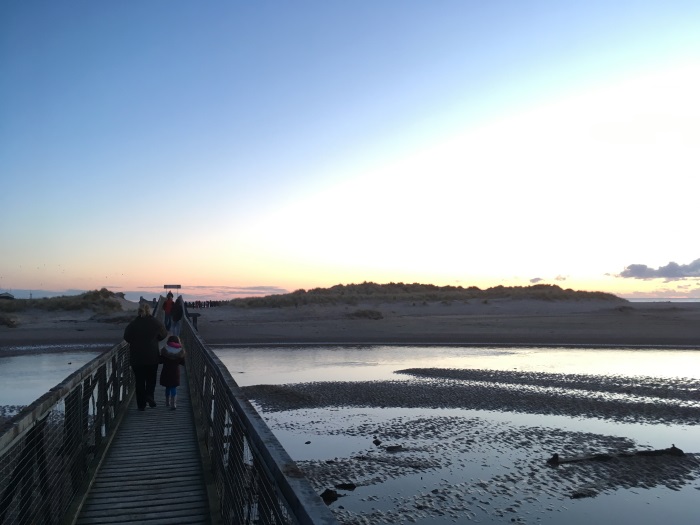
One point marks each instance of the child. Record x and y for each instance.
(172, 356)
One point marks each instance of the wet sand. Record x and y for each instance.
(523, 488)
(502, 322)
(62, 328)
(477, 468)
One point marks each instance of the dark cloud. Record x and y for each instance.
(671, 272)
(536, 280)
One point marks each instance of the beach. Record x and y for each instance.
(525, 322)
(435, 434)
(503, 322)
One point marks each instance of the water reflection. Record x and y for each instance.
(490, 465)
(477, 464)
(280, 365)
(25, 378)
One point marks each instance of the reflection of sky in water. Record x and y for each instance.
(637, 505)
(256, 365)
(330, 446)
(276, 365)
(25, 378)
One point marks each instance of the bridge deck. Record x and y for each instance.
(153, 471)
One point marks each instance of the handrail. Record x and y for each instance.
(255, 478)
(49, 450)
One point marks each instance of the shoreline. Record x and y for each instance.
(507, 322)
(476, 466)
(495, 323)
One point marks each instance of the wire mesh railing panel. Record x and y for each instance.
(256, 480)
(47, 451)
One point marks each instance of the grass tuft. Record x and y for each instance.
(366, 314)
(6, 320)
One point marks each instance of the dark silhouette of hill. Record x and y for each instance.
(400, 292)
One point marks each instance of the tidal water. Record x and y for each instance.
(24, 378)
(279, 365)
(470, 483)
(484, 483)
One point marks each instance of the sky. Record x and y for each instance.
(246, 148)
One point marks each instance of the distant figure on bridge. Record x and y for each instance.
(167, 309)
(143, 335)
(176, 314)
(172, 356)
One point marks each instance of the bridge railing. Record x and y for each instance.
(50, 450)
(256, 480)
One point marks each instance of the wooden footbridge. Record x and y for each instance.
(83, 454)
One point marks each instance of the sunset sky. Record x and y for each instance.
(243, 148)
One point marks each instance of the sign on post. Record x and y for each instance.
(172, 287)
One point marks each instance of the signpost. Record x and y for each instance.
(172, 287)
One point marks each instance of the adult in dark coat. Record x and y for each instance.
(176, 314)
(143, 335)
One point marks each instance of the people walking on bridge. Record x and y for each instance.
(143, 335)
(176, 315)
(172, 357)
(167, 309)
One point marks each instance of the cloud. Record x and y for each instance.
(536, 280)
(206, 292)
(560, 278)
(247, 291)
(671, 272)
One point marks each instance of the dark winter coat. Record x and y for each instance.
(177, 311)
(168, 305)
(170, 373)
(143, 334)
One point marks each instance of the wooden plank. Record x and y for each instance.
(191, 508)
(131, 502)
(120, 471)
(152, 473)
(128, 485)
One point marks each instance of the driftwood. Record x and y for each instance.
(672, 451)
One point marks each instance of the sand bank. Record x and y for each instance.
(497, 469)
(483, 468)
(504, 322)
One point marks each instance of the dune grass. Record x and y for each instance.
(354, 294)
(102, 301)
